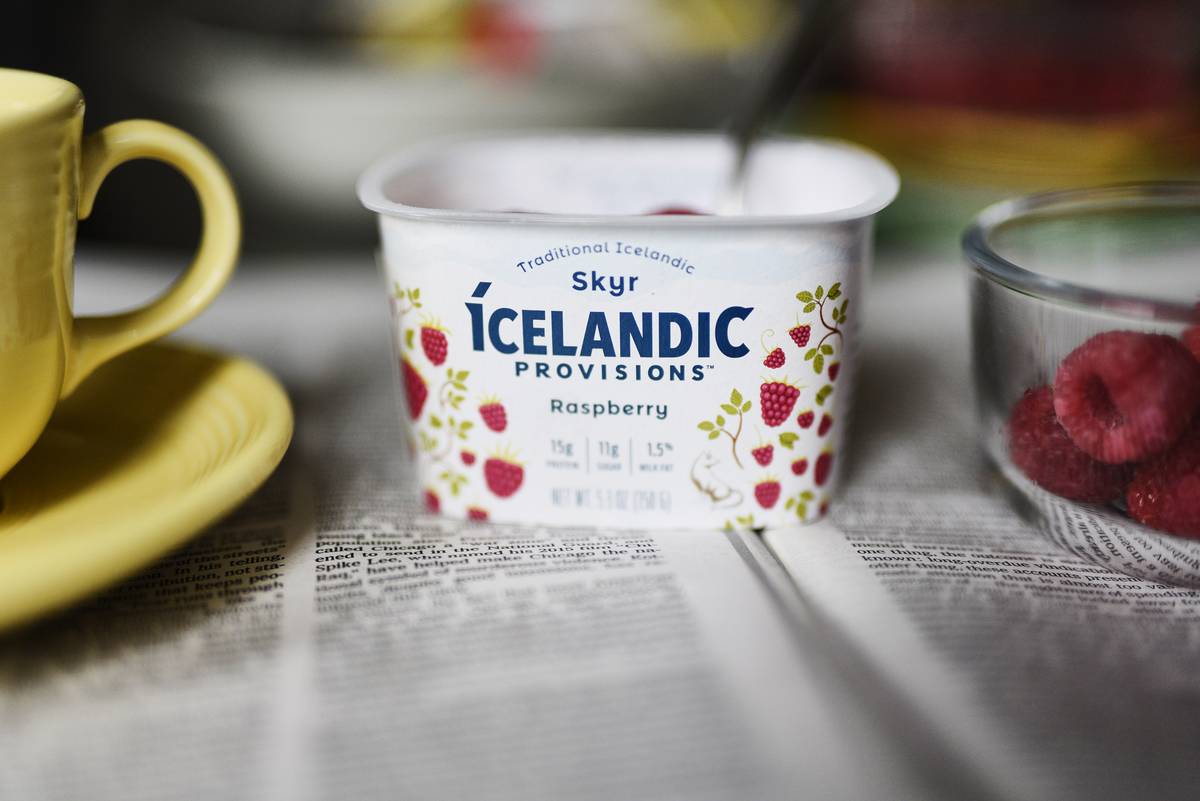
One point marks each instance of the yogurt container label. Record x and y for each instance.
(644, 379)
(566, 358)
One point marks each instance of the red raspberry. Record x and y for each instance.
(1124, 396)
(476, 513)
(1165, 492)
(1191, 340)
(826, 424)
(775, 359)
(763, 454)
(823, 468)
(767, 493)
(799, 466)
(433, 342)
(468, 458)
(776, 399)
(1040, 447)
(674, 210)
(494, 416)
(833, 370)
(503, 476)
(415, 388)
(800, 335)
(805, 420)
(432, 502)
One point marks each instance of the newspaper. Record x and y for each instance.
(1057, 677)
(378, 652)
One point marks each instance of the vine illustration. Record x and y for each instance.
(816, 301)
(717, 426)
(402, 296)
(744, 523)
(454, 480)
(455, 429)
(455, 381)
(800, 504)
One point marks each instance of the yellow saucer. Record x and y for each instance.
(157, 445)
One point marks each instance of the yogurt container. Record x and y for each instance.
(568, 357)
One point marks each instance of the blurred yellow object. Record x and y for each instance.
(49, 177)
(154, 447)
(981, 148)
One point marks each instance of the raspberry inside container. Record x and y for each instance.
(1086, 338)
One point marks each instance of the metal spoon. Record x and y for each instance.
(790, 68)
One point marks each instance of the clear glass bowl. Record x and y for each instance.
(1049, 273)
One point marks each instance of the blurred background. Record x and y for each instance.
(972, 100)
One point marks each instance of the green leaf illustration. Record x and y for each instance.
(729, 408)
(820, 292)
(714, 434)
(706, 426)
(720, 420)
(809, 354)
(435, 421)
(788, 438)
(823, 394)
(835, 291)
(804, 297)
(827, 350)
(818, 363)
(746, 406)
(735, 398)
(408, 338)
(810, 307)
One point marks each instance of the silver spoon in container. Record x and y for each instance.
(790, 69)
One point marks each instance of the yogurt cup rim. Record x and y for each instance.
(371, 193)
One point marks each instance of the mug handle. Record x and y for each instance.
(97, 339)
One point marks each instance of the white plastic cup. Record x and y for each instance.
(565, 358)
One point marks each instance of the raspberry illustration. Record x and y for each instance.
(763, 454)
(823, 468)
(432, 502)
(493, 414)
(1125, 396)
(834, 369)
(799, 466)
(1191, 340)
(800, 335)
(826, 424)
(775, 356)
(503, 475)
(805, 420)
(1165, 492)
(777, 399)
(468, 458)
(823, 509)
(766, 492)
(433, 342)
(476, 513)
(415, 388)
(1041, 448)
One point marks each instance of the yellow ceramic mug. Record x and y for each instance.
(49, 176)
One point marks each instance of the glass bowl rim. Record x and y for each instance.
(1139, 194)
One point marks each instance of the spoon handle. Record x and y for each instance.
(790, 68)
